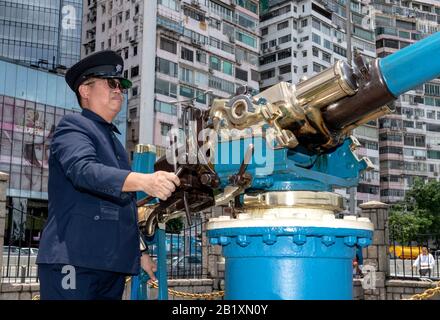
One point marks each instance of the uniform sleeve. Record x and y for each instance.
(76, 153)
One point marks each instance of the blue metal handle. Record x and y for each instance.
(412, 66)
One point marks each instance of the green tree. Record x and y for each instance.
(419, 213)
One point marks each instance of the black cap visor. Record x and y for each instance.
(100, 72)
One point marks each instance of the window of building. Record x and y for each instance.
(248, 4)
(283, 25)
(165, 128)
(196, 15)
(316, 24)
(304, 69)
(186, 75)
(284, 54)
(201, 57)
(133, 113)
(200, 97)
(214, 42)
(245, 21)
(246, 38)
(315, 52)
(303, 23)
(172, 4)
(166, 88)
(264, 31)
(317, 67)
(216, 24)
(215, 63)
(168, 45)
(287, 68)
(227, 67)
(284, 39)
(164, 107)
(304, 53)
(268, 59)
(227, 47)
(135, 50)
(187, 54)
(134, 91)
(316, 39)
(326, 29)
(221, 84)
(166, 67)
(267, 74)
(255, 75)
(339, 50)
(241, 74)
(186, 91)
(134, 72)
(326, 57)
(119, 18)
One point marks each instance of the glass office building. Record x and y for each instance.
(32, 102)
(44, 32)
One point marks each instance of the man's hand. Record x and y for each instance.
(160, 184)
(149, 266)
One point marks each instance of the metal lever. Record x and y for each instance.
(187, 212)
(238, 181)
(246, 160)
(147, 199)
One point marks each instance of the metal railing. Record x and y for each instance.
(405, 257)
(20, 247)
(185, 254)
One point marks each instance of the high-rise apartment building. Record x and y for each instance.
(409, 139)
(302, 38)
(175, 51)
(46, 33)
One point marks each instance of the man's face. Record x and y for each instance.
(101, 96)
(425, 251)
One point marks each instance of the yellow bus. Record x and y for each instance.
(405, 252)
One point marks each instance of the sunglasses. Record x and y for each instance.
(112, 84)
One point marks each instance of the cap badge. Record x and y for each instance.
(118, 68)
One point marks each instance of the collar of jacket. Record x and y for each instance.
(93, 116)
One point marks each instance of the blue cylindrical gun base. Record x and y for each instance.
(289, 258)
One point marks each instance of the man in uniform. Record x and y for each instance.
(91, 240)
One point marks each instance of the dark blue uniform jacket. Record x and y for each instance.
(91, 222)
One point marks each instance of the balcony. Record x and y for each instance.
(170, 24)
